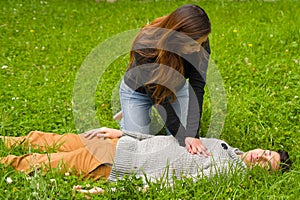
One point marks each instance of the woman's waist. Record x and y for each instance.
(145, 85)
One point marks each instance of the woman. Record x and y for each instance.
(164, 55)
(111, 153)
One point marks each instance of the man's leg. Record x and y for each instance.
(102, 171)
(80, 161)
(45, 141)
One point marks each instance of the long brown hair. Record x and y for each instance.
(190, 20)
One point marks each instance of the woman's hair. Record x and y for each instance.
(285, 162)
(164, 33)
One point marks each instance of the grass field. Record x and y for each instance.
(255, 46)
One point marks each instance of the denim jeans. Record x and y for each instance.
(136, 108)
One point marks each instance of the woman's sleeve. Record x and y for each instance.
(197, 81)
(172, 121)
(139, 72)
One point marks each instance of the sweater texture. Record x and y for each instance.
(156, 157)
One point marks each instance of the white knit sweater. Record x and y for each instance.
(162, 157)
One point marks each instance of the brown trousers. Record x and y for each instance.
(89, 158)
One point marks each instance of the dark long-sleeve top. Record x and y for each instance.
(195, 68)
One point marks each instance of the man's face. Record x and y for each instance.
(263, 158)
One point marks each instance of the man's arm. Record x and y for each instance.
(103, 132)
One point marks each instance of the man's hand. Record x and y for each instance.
(103, 132)
(195, 146)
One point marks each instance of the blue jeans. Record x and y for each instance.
(136, 108)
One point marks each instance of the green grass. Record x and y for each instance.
(255, 45)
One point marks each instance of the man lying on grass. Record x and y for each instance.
(111, 154)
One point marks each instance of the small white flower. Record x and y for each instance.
(52, 180)
(67, 174)
(247, 61)
(9, 180)
(296, 97)
(4, 67)
(35, 193)
(271, 35)
(146, 187)
(113, 189)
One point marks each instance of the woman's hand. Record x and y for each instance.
(195, 146)
(103, 132)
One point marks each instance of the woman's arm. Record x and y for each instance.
(196, 68)
(189, 140)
